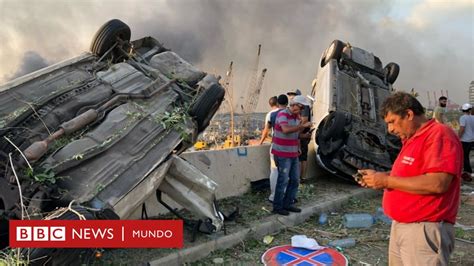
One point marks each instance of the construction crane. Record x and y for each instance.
(230, 102)
(252, 100)
(253, 91)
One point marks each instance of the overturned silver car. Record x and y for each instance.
(104, 131)
(350, 86)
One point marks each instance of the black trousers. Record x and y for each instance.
(466, 147)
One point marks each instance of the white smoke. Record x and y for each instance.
(432, 41)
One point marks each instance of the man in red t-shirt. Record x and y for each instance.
(422, 190)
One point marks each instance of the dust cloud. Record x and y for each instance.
(432, 43)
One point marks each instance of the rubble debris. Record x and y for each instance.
(268, 239)
(218, 260)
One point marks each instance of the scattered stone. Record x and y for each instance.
(268, 239)
(218, 261)
(464, 227)
(468, 198)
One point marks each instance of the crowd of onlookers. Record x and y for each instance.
(422, 190)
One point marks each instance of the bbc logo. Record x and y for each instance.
(41, 233)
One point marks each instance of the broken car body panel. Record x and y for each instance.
(104, 130)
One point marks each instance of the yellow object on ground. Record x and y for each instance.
(200, 145)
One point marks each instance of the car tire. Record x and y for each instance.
(391, 72)
(333, 126)
(58, 256)
(107, 35)
(334, 51)
(206, 105)
(330, 134)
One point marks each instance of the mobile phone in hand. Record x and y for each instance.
(357, 176)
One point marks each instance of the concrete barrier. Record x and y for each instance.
(233, 169)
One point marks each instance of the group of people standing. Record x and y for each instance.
(422, 190)
(465, 133)
(291, 134)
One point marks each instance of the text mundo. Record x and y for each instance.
(152, 234)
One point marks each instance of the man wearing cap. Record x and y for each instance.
(466, 134)
(285, 147)
(305, 135)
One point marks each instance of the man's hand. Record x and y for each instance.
(374, 179)
(306, 124)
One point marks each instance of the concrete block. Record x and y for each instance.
(232, 169)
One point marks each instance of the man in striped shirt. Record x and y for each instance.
(285, 149)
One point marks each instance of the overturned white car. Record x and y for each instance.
(350, 86)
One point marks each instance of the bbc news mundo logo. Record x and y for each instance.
(96, 233)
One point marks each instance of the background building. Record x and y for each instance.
(471, 92)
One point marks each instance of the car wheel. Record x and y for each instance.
(391, 72)
(334, 51)
(206, 106)
(58, 256)
(330, 133)
(108, 34)
(333, 126)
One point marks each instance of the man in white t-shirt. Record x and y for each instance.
(268, 129)
(466, 134)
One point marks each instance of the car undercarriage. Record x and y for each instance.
(103, 131)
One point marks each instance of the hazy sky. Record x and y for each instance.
(432, 41)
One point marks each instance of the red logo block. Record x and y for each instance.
(96, 234)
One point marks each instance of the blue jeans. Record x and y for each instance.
(287, 182)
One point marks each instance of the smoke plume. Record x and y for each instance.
(431, 41)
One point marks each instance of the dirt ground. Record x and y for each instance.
(253, 206)
(371, 244)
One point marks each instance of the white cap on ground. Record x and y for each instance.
(466, 107)
(299, 99)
